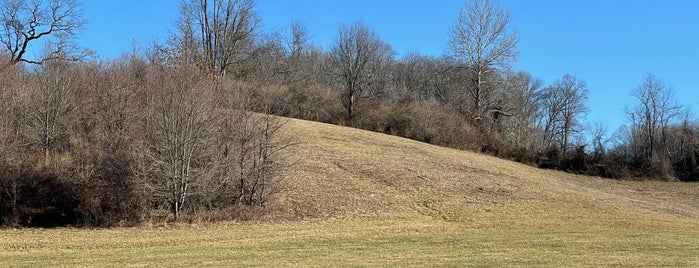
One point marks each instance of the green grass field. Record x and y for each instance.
(357, 198)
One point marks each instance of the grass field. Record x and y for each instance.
(357, 198)
(355, 242)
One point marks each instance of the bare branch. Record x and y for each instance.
(358, 56)
(482, 40)
(25, 22)
(215, 33)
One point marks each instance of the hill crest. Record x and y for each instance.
(347, 172)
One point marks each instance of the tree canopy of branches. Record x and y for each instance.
(217, 34)
(481, 40)
(519, 98)
(180, 139)
(650, 119)
(50, 103)
(358, 56)
(25, 22)
(563, 104)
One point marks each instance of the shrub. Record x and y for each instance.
(315, 103)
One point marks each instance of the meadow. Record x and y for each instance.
(356, 198)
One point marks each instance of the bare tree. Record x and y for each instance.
(179, 144)
(297, 42)
(597, 131)
(651, 116)
(686, 149)
(358, 57)
(562, 104)
(298, 69)
(13, 81)
(49, 104)
(482, 39)
(267, 160)
(520, 106)
(419, 76)
(267, 64)
(217, 32)
(24, 22)
(257, 157)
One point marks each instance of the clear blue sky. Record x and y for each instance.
(608, 44)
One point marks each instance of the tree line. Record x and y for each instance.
(185, 127)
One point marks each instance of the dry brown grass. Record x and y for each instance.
(343, 172)
(358, 198)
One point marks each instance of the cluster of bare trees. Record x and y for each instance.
(118, 141)
(187, 126)
(660, 139)
(126, 138)
(217, 34)
(562, 105)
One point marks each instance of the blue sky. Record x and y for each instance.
(608, 44)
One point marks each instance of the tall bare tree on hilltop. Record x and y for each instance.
(358, 56)
(216, 32)
(482, 40)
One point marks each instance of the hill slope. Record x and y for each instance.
(387, 201)
(341, 172)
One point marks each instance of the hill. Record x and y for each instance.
(365, 199)
(340, 172)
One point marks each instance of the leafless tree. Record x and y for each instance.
(217, 33)
(520, 106)
(267, 64)
(651, 116)
(482, 40)
(299, 69)
(24, 22)
(178, 156)
(258, 147)
(267, 160)
(358, 57)
(684, 138)
(298, 40)
(252, 145)
(13, 81)
(562, 104)
(597, 132)
(419, 75)
(49, 105)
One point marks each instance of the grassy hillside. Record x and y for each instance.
(341, 172)
(367, 199)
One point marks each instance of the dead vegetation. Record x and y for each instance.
(341, 172)
(377, 200)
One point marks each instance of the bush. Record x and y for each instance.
(314, 103)
(523, 155)
(40, 200)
